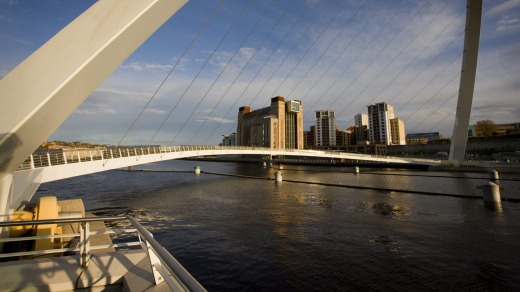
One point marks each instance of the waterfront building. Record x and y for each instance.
(499, 129)
(361, 131)
(229, 140)
(397, 132)
(340, 139)
(507, 129)
(325, 131)
(379, 116)
(472, 131)
(361, 120)
(422, 138)
(278, 126)
(346, 137)
(308, 138)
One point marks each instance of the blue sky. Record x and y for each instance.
(331, 54)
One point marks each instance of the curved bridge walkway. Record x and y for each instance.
(55, 165)
(70, 163)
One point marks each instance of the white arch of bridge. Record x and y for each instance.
(49, 167)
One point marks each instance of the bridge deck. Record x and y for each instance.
(56, 165)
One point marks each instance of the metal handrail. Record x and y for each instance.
(83, 155)
(166, 258)
(150, 246)
(64, 220)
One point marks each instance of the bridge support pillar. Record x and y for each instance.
(278, 177)
(356, 169)
(493, 175)
(467, 82)
(491, 195)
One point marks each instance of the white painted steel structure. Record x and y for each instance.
(467, 82)
(48, 167)
(41, 92)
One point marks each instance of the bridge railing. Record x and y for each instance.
(66, 156)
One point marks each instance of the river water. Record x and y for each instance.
(239, 234)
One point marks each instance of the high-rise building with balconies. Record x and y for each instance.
(325, 131)
(383, 127)
(379, 116)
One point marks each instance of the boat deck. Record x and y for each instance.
(109, 271)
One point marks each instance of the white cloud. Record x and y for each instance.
(155, 111)
(508, 24)
(10, 2)
(311, 2)
(206, 110)
(142, 66)
(95, 109)
(503, 8)
(218, 120)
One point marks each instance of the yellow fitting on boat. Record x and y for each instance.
(17, 231)
(47, 209)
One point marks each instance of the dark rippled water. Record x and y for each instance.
(236, 234)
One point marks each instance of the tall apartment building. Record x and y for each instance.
(397, 132)
(308, 138)
(229, 140)
(325, 131)
(278, 126)
(379, 129)
(361, 120)
(383, 126)
(361, 133)
(346, 137)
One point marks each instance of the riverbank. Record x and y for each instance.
(473, 166)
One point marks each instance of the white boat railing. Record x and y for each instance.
(162, 262)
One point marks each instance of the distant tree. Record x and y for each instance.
(485, 128)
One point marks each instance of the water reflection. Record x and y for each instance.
(239, 234)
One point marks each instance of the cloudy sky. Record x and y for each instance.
(214, 56)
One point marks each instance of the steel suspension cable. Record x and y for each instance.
(328, 47)
(292, 49)
(400, 52)
(431, 80)
(426, 118)
(169, 74)
(335, 61)
(200, 70)
(443, 120)
(373, 59)
(225, 67)
(275, 24)
(286, 56)
(355, 59)
(424, 68)
(411, 62)
(309, 48)
(433, 95)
